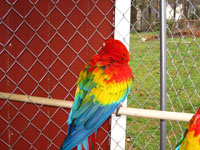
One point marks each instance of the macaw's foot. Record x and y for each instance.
(116, 112)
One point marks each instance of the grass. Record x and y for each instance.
(183, 87)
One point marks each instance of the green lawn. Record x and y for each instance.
(183, 87)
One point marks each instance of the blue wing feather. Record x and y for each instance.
(86, 115)
(82, 131)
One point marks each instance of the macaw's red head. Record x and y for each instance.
(114, 51)
(195, 123)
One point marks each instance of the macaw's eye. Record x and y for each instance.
(124, 54)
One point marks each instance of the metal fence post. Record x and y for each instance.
(163, 71)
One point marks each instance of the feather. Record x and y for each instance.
(191, 138)
(103, 84)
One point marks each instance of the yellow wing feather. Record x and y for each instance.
(191, 142)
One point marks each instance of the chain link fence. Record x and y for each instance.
(44, 45)
(183, 63)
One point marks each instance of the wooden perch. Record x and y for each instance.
(156, 114)
(36, 100)
(145, 113)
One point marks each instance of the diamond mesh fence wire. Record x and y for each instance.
(183, 62)
(44, 44)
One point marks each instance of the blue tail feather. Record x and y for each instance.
(85, 144)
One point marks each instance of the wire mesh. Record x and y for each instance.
(182, 68)
(46, 43)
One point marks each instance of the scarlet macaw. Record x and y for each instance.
(103, 84)
(191, 138)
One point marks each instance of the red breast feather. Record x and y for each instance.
(195, 123)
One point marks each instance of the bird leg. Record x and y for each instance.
(116, 112)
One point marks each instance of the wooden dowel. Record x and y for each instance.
(156, 114)
(145, 113)
(36, 100)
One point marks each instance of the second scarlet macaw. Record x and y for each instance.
(191, 139)
(103, 84)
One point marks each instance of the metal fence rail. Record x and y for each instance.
(42, 56)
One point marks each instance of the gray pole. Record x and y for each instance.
(163, 72)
